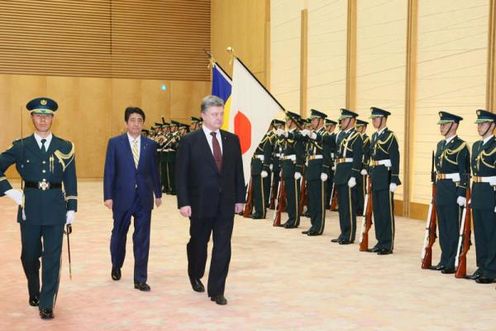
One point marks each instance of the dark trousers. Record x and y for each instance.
(485, 241)
(382, 202)
(293, 200)
(361, 192)
(449, 230)
(316, 205)
(347, 212)
(141, 238)
(49, 251)
(200, 230)
(259, 195)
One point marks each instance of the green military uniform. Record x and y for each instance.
(384, 169)
(292, 163)
(260, 163)
(452, 163)
(483, 164)
(317, 174)
(362, 179)
(50, 190)
(348, 150)
(277, 153)
(330, 181)
(170, 149)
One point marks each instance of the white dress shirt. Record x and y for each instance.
(47, 142)
(207, 132)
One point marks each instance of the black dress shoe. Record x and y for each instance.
(336, 240)
(438, 267)
(219, 299)
(116, 273)
(46, 314)
(474, 276)
(142, 286)
(290, 226)
(306, 231)
(448, 270)
(313, 233)
(384, 252)
(484, 280)
(34, 301)
(197, 285)
(374, 249)
(256, 216)
(345, 242)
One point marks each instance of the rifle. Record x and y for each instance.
(366, 218)
(249, 201)
(281, 195)
(334, 198)
(430, 227)
(464, 239)
(273, 192)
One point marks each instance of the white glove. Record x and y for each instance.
(297, 175)
(461, 201)
(388, 164)
(333, 168)
(15, 195)
(323, 177)
(279, 132)
(70, 217)
(271, 167)
(264, 174)
(352, 182)
(305, 132)
(392, 187)
(495, 209)
(363, 172)
(312, 135)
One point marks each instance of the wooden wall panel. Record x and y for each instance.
(91, 110)
(145, 39)
(186, 99)
(241, 24)
(451, 76)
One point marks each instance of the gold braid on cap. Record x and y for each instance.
(69, 157)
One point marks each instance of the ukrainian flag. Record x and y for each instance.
(222, 87)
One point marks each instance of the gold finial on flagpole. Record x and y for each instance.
(231, 52)
(211, 59)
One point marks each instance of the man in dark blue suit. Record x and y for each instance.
(210, 188)
(130, 181)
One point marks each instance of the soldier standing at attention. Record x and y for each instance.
(292, 168)
(348, 146)
(483, 164)
(384, 168)
(260, 174)
(330, 126)
(49, 201)
(452, 161)
(317, 173)
(361, 126)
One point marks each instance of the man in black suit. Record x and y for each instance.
(210, 188)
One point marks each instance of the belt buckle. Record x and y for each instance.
(43, 185)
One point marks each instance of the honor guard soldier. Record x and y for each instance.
(277, 149)
(483, 164)
(361, 126)
(292, 167)
(260, 175)
(452, 162)
(384, 168)
(330, 126)
(171, 148)
(195, 124)
(316, 172)
(47, 203)
(348, 147)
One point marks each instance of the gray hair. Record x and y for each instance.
(211, 101)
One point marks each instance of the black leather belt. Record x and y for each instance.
(43, 185)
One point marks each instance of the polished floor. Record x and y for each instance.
(279, 280)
